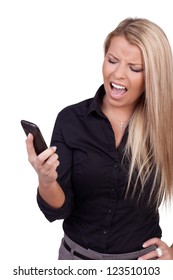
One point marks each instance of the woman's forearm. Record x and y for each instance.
(52, 194)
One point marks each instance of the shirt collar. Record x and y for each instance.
(97, 100)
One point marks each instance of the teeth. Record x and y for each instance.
(117, 87)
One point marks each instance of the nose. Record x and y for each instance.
(120, 71)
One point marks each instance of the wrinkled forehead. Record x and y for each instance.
(121, 48)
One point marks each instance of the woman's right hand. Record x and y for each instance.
(45, 164)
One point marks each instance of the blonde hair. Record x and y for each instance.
(150, 140)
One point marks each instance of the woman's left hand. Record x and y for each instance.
(163, 252)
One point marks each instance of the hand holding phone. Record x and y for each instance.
(39, 142)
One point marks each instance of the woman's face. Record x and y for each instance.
(123, 73)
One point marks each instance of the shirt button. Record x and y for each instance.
(105, 232)
(110, 211)
(116, 164)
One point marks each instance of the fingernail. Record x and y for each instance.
(144, 245)
(54, 148)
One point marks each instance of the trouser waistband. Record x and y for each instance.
(88, 254)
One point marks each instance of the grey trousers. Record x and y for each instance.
(70, 250)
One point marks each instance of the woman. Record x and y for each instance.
(110, 161)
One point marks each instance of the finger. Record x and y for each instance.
(153, 241)
(47, 154)
(52, 162)
(159, 243)
(49, 168)
(30, 145)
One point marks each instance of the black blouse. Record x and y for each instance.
(93, 174)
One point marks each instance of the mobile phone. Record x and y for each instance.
(39, 142)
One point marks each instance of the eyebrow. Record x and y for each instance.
(133, 64)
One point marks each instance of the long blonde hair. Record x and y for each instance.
(150, 140)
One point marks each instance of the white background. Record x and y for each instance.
(51, 55)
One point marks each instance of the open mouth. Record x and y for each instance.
(117, 90)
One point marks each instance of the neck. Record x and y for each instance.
(120, 114)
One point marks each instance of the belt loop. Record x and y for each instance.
(72, 246)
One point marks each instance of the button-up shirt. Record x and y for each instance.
(94, 175)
